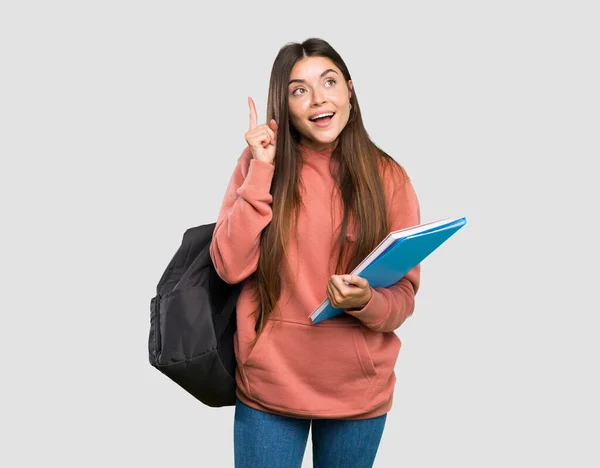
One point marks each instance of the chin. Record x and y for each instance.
(325, 139)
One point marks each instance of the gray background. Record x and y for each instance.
(120, 125)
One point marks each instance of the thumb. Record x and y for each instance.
(356, 280)
(273, 126)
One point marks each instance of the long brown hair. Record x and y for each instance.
(356, 168)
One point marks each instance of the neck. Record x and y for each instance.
(319, 147)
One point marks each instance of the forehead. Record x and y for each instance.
(310, 68)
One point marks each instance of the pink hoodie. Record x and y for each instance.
(340, 368)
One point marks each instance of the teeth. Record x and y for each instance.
(322, 115)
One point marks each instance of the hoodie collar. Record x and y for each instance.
(310, 152)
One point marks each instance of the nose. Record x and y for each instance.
(318, 96)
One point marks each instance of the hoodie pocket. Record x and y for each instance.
(311, 369)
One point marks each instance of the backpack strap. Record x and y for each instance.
(176, 267)
(228, 310)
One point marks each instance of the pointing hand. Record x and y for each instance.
(262, 139)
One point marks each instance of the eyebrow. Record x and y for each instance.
(297, 80)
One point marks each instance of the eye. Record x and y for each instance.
(295, 93)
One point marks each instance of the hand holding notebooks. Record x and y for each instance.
(395, 256)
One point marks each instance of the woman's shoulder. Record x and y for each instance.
(401, 199)
(393, 173)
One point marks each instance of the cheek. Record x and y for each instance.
(342, 101)
(294, 113)
(296, 123)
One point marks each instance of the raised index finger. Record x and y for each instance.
(253, 117)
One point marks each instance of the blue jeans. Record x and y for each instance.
(264, 440)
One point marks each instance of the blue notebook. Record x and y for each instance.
(395, 256)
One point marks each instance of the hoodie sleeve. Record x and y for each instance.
(244, 213)
(389, 307)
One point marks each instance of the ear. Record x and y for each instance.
(350, 86)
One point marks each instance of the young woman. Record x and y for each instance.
(310, 197)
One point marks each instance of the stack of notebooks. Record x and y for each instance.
(395, 256)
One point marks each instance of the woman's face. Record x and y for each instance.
(317, 86)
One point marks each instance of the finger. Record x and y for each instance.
(338, 284)
(259, 136)
(356, 280)
(264, 137)
(332, 295)
(271, 134)
(253, 116)
(332, 281)
(263, 134)
(273, 126)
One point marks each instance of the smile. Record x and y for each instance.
(323, 122)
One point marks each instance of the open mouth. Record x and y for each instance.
(323, 120)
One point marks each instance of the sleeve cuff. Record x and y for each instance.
(260, 171)
(257, 183)
(372, 311)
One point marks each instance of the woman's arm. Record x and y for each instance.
(389, 307)
(244, 213)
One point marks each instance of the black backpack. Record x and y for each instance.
(192, 322)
